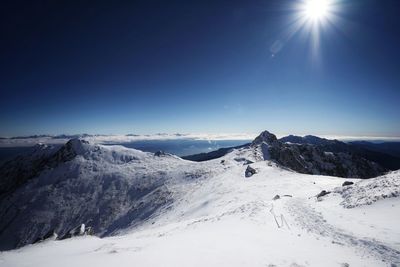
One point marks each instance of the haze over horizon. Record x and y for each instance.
(196, 67)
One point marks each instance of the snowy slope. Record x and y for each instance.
(105, 187)
(209, 213)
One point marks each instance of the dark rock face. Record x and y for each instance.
(21, 169)
(69, 151)
(312, 159)
(250, 171)
(16, 172)
(379, 153)
(309, 139)
(310, 155)
(276, 197)
(265, 137)
(160, 153)
(77, 231)
(347, 183)
(243, 160)
(323, 193)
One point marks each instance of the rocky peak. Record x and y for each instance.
(71, 149)
(78, 145)
(265, 137)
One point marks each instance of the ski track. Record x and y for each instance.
(307, 218)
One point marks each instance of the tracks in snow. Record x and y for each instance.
(313, 221)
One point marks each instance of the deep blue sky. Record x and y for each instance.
(196, 66)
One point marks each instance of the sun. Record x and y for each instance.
(310, 20)
(316, 10)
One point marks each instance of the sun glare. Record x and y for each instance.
(316, 9)
(311, 19)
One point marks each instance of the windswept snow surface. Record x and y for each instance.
(221, 218)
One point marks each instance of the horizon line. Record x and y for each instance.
(19, 141)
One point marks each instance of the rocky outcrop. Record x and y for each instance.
(265, 138)
(312, 159)
(250, 171)
(369, 151)
(323, 193)
(308, 155)
(347, 183)
(160, 153)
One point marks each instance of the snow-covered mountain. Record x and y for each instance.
(245, 208)
(106, 187)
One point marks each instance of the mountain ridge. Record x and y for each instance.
(112, 188)
(125, 204)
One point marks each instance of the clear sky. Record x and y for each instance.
(199, 66)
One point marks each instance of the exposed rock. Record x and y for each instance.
(19, 170)
(250, 171)
(362, 149)
(160, 153)
(312, 159)
(276, 197)
(310, 139)
(243, 160)
(49, 235)
(78, 231)
(346, 183)
(70, 150)
(323, 193)
(265, 137)
(308, 155)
